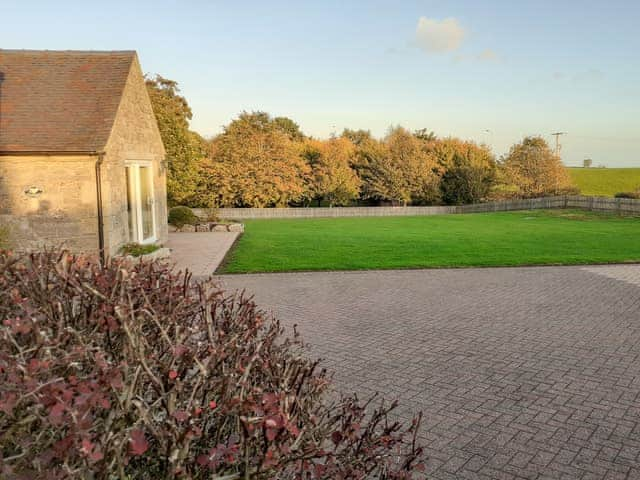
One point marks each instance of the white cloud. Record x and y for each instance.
(437, 36)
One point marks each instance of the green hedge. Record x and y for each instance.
(181, 216)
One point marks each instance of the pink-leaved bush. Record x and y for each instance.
(133, 371)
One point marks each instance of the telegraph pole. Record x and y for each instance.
(558, 146)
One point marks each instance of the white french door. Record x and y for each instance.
(140, 202)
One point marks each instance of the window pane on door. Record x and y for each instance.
(146, 202)
(131, 205)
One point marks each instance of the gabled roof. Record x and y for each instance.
(60, 101)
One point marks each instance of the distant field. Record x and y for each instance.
(605, 182)
(540, 237)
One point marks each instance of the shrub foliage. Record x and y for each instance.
(132, 371)
(633, 195)
(401, 170)
(332, 179)
(138, 249)
(184, 147)
(181, 216)
(466, 181)
(255, 162)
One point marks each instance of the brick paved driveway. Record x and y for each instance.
(521, 372)
(200, 252)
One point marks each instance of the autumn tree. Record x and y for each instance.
(357, 137)
(469, 170)
(184, 148)
(332, 178)
(466, 181)
(288, 126)
(401, 170)
(254, 163)
(446, 149)
(534, 170)
(425, 135)
(366, 147)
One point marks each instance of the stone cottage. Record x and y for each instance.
(81, 158)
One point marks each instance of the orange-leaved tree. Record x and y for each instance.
(254, 163)
(534, 170)
(469, 169)
(332, 178)
(401, 170)
(185, 148)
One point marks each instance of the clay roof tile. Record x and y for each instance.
(60, 101)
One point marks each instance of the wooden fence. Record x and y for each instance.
(615, 205)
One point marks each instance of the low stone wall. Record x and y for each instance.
(617, 205)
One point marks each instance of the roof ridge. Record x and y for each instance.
(67, 52)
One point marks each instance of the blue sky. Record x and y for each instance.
(488, 71)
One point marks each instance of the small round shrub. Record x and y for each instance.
(634, 195)
(181, 216)
(128, 370)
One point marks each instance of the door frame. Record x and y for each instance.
(133, 167)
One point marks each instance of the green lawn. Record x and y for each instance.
(605, 182)
(484, 239)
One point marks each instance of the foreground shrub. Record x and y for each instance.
(130, 371)
(181, 216)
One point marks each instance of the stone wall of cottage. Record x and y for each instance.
(49, 200)
(135, 137)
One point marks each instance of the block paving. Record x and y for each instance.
(200, 252)
(522, 373)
